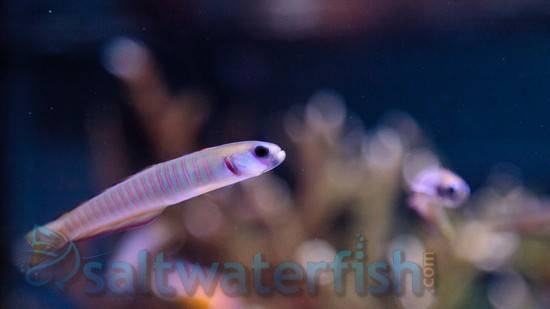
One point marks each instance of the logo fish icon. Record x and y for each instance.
(45, 255)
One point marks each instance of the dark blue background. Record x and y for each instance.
(480, 91)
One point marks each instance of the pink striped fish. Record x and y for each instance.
(146, 194)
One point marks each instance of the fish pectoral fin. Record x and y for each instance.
(42, 244)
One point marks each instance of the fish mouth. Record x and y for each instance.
(280, 157)
(230, 166)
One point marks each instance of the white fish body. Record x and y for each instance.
(146, 194)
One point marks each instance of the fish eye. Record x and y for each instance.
(261, 151)
(447, 191)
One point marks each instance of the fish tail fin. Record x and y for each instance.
(44, 241)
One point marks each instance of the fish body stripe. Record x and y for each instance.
(183, 168)
(173, 178)
(160, 180)
(174, 168)
(207, 169)
(197, 172)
